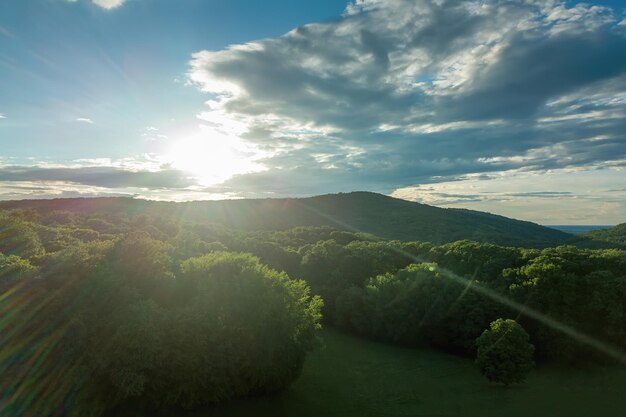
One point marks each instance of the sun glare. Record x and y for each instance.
(212, 157)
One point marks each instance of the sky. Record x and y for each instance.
(515, 107)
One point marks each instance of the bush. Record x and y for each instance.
(236, 328)
(17, 237)
(13, 268)
(504, 353)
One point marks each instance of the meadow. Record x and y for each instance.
(348, 376)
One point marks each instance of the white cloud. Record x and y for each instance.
(105, 4)
(555, 197)
(108, 4)
(84, 120)
(426, 91)
(408, 94)
(146, 176)
(142, 173)
(3, 116)
(153, 134)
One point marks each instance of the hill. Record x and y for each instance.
(616, 234)
(366, 212)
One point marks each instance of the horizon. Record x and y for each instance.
(553, 226)
(512, 109)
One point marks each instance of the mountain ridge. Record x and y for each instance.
(366, 212)
(615, 234)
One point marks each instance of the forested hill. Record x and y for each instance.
(365, 212)
(616, 234)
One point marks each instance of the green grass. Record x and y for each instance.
(350, 376)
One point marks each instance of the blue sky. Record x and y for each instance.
(516, 108)
(60, 61)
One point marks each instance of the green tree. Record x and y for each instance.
(17, 236)
(237, 328)
(13, 268)
(505, 354)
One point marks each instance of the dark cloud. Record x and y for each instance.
(543, 194)
(531, 71)
(402, 92)
(108, 177)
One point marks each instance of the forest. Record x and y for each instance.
(105, 309)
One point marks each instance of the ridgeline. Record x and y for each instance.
(365, 212)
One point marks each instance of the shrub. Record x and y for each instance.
(237, 328)
(13, 268)
(504, 353)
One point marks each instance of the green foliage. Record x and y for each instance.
(14, 268)
(17, 236)
(300, 236)
(407, 307)
(138, 257)
(504, 353)
(480, 261)
(58, 218)
(227, 327)
(420, 304)
(568, 285)
(565, 284)
(369, 213)
(616, 234)
(272, 254)
(147, 305)
(331, 268)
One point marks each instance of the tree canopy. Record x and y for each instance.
(142, 307)
(504, 353)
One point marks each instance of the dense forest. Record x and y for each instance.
(376, 214)
(150, 308)
(616, 234)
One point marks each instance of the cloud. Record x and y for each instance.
(555, 197)
(99, 176)
(543, 194)
(153, 134)
(490, 104)
(38, 190)
(399, 92)
(108, 4)
(105, 4)
(84, 120)
(6, 32)
(144, 177)
(3, 116)
(35, 190)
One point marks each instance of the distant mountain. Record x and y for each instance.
(578, 229)
(616, 234)
(366, 212)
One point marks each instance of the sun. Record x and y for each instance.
(212, 157)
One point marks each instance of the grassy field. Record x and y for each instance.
(354, 377)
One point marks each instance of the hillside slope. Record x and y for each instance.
(615, 234)
(366, 212)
